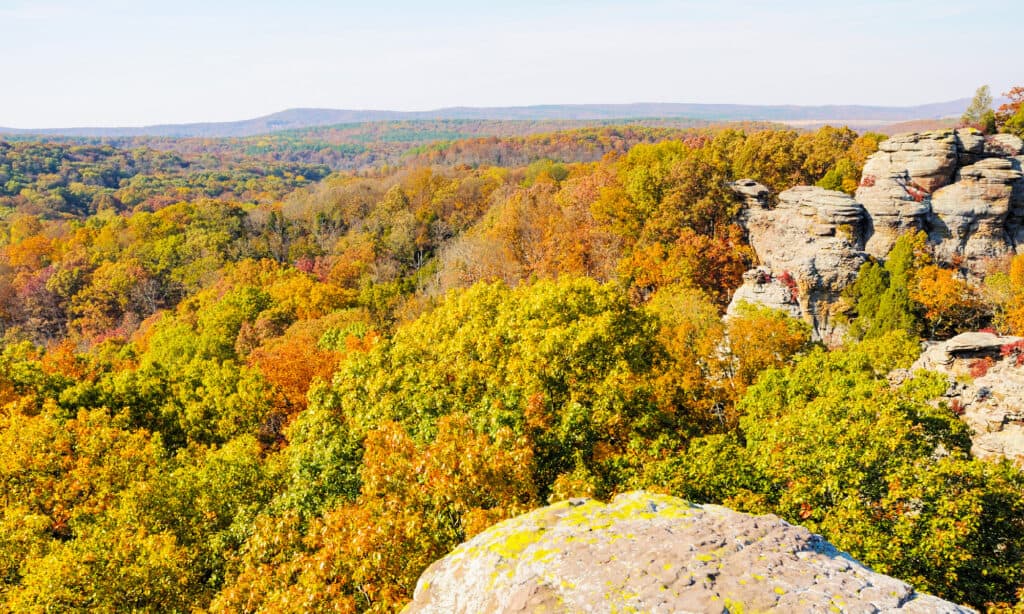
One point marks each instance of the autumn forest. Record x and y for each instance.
(286, 373)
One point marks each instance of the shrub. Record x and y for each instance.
(978, 368)
(1016, 350)
(787, 280)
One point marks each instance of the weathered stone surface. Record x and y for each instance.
(992, 404)
(653, 553)
(815, 236)
(896, 179)
(1015, 220)
(969, 216)
(964, 189)
(1004, 145)
(755, 195)
(760, 287)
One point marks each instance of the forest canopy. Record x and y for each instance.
(240, 375)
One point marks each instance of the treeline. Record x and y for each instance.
(372, 144)
(62, 180)
(657, 215)
(298, 403)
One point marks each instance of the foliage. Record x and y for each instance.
(232, 382)
(831, 445)
(761, 338)
(979, 113)
(950, 304)
(881, 295)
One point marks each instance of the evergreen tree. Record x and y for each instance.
(882, 292)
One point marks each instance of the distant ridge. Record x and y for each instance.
(294, 119)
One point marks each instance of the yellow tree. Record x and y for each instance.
(950, 303)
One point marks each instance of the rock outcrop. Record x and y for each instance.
(761, 287)
(896, 180)
(810, 245)
(969, 217)
(985, 388)
(965, 190)
(652, 553)
(956, 185)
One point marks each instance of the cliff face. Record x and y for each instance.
(652, 553)
(813, 243)
(966, 191)
(961, 188)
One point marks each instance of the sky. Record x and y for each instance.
(67, 63)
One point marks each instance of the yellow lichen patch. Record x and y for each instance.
(734, 607)
(541, 555)
(513, 544)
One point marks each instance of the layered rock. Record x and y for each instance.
(761, 287)
(956, 185)
(896, 180)
(965, 190)
(969, 217)
(985, 388)
(653, 553)
(811, 246)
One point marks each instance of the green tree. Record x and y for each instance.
(977, 113)
(568, 364)
(882, 293)
(878, 470)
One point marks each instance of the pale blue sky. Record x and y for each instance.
(118, 62)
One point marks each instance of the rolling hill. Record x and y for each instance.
(293, 119)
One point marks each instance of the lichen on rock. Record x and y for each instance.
(645, 552)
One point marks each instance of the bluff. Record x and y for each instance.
(652, 553)
(965, 190)
(810, 245)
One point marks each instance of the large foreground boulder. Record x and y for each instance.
(653, 553)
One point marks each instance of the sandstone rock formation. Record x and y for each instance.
(814, 237)
(956, 185)
(896, 180)
(969, 216)
(761, 287)
(965, 190)
(985, 388)
(652, 553)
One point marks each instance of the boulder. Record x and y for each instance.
(653, 553)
